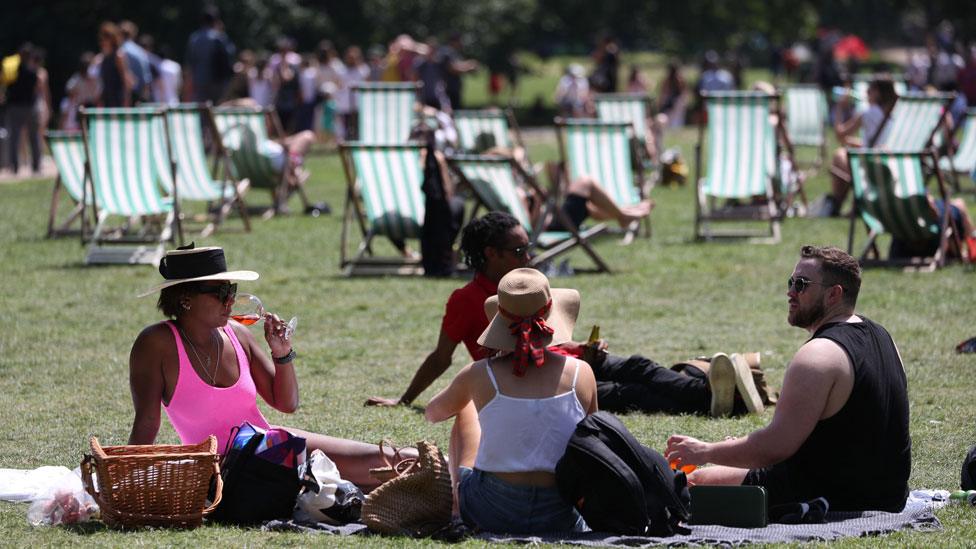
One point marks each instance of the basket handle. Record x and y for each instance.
(86, 477)
(219, 490)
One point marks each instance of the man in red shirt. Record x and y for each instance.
(495, 244)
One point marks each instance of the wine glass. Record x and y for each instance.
(248, 310)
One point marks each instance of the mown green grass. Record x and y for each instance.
(67, 329)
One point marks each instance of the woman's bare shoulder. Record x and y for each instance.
(153, 337)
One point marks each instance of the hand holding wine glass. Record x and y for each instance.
(248, 310)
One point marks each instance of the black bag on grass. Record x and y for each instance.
(255, 490)
(618, 484)
(968, 480)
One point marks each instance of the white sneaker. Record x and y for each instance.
(745, 385)
(722, 383)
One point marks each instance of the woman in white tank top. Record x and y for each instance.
(514, 412)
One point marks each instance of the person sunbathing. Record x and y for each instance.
(494, 245)
(206, 370)
(515, 411)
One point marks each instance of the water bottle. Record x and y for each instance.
(960, 497)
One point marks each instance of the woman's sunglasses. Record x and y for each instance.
(223, 292)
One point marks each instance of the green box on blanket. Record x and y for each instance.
(738, 506)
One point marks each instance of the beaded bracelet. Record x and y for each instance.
(287, 358)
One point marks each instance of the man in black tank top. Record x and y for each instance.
(840, 430)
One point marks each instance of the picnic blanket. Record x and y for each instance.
(917, 515)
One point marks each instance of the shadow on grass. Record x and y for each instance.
(87, 528)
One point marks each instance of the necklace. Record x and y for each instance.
(206, 364)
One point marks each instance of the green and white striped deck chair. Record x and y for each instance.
(125, 181)
(385, 197)
(244, 134)
(494, 122)
(913, 122)
(806, 117)
(68, 151)
(496, 181)
(741, 166)
(890, 198)
(627, 107)
(604, 151)
(387, 112)
(963, 161)
(193, 175)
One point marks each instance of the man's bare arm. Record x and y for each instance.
(808, 388)
(436, 363)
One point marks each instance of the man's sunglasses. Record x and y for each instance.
(223, 292)
(801, 284)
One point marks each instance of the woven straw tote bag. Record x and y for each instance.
(417, 501)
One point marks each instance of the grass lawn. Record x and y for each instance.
(68, 328)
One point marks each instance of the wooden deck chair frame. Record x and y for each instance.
(286, 182)
(636, 108)
(798, 99)
(191, 164)
(706, 208)
(68, 151)
(363, 261)
(552, 244)
(466, 136)
(381, 128)
(158, 224)
(637, 180)
(870, 254)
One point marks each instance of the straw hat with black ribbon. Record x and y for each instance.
(191, 264)
(527, 316)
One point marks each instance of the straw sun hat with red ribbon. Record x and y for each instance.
(527, 315)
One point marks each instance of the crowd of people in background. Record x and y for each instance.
(313, 90)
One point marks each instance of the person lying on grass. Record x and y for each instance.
(495, 244)
(206, 369)
(840, 430)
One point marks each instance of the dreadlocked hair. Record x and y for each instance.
(488, 230)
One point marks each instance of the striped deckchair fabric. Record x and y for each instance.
(624, 107)
(914, 121)
(386, 112)
(963, 162)
(384, 190)
(634, 108)
(243, 130)
(891, 198)
(193, 174)
(470, 124)
(741, 162)
(68, 151)
(495, 181)
(126, 180)
(604, 151)
(742, 146)
(806, 115)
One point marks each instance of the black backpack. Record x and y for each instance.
(967, 480)
(620, 485)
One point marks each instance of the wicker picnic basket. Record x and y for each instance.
(153, 485)
(417, 500)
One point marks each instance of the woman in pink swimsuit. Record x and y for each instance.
(206, 370)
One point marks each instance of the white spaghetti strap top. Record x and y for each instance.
(526, 434)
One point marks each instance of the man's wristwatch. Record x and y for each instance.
(285, 359)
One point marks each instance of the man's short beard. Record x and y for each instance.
(805, 318)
